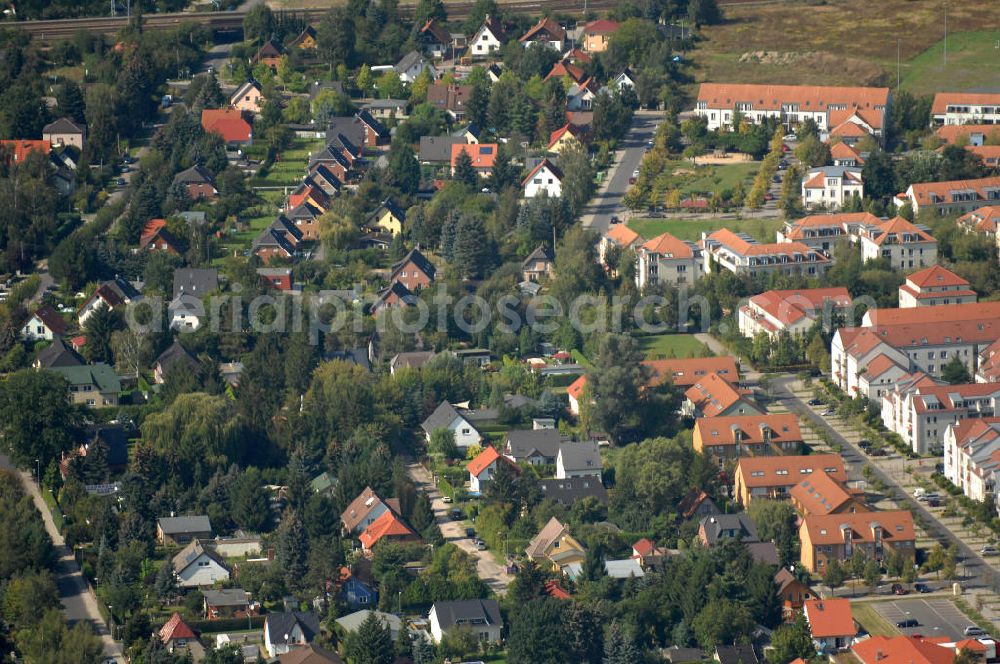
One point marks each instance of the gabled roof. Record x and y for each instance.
(545, 27)
(494, 26)
(410, 60)
(544, 163)
(51, 319)
(524, 443)
(601, 27)
(718, 526)
(842, 150)
(433, 29)
(847, 129)
(228, 123)
(549, 533)
(951, 133)
(783, 578)
(241, 91)
(57, 354)
(781, 427)
(894, 230)
(820, 494)
(786, 470)
(438, 148)
(311, 654)
(713, 395)
(571, 129)
(576, 388)
(442, 417)
(64, 125)
(823, 529)
(902, 650)
(942, 100)
(225, 597)
(361, 507)
(622, 235)
(936, 277)
(169, 358)
(541, 253)
(691, 501)
(978, 188)
(483, 460)
(830, 617)
(283, 623)
(790, 306)
(467, 611)
(100, 375)
(417, 258)
(946, 313)
(307, 32)
(387, 525)
(563, 69)
(21, 148)
(568, 492)
(745, 246)
(685, 372)
(811, 98)
(483, 155)
(176, 628)
(178, 525)
(668, 246)
(191, 553)
(582, 455)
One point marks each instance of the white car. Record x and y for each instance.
(789, 137)
(989, 550)
(972, 630)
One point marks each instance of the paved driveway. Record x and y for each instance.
(454, 532)
(607, 202)
(937, 617)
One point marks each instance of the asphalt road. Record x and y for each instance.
(454, 532)
(79, 603)
(977, 571)
(936, 617)
(608, 200)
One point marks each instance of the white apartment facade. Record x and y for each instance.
(959, 108)
(741, 254)
(972, 456)
(791, 311)
(666, 259)
(921, 415)
(832, 186)
(903, 244)
(935, 286)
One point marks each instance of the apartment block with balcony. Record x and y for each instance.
(961, 108)
(952, 197)
(792, 311)
(921, 414)
(822, 231)
(904, 245)
(935, 286)
(735, 437)
(741, 254)
(771, 477)
(827, 537)
(832, 186)
(972, 456)
(666, 259)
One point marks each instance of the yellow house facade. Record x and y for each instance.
(554, 548)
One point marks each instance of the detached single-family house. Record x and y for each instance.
(414, 271)
(446, 416)
(177, 634)
(175, 356)
(832, 186)
(534, 446)
(831, 623)
(46, 324)
(540, 264)
(546, 33)
(287, 631)
(365, 509)
(195, 281)
(226, 603)
(353, 621)
(580, 459)
(156, 236)
(545, 179)
(248, 97)
(185, 313)
(434, 39)
(56, 354)
(116, 293)
(197, 566)
(180, 530)
(412, 65)
(793, 593)
(197, 182)
(306, 40)
(482, 155)
(597, 35)
(484, 467)
(626, 79)
(581, 96)
(489, 38)
(481, 616)
(65, 131)
(355, 591)
(554, 548)
(389, 527)
(564, 137)
(309, 654)
(437, 149)
(387, 217)
(269, 54)
(229, 123)
(94, 385)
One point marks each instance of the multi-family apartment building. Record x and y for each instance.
(935, 286)
(971, 134)
(972, 456)
(832, 186)
(731, 438)
(959, 108)
(827, 537)
(921, 414)
(822, 231)
(741, 254)
(792, 311)
(952, 197)
(903, 244)
(666, 259)
(829, 107)
(772, 476)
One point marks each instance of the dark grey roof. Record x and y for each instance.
(468, 612)
(437, 149)
(736, 655)
(194, 550)
(226, 597)
(386, 103)
(319, 86)
(193, 217)
(195, 281)
(729, 525)
(58, 354)
(409, 60)
(442, 416)
(177, 525)
(351, 128)
(524, 442)
(115, 437)
(280, 624)
(419, 260)
(330, 154)
(542, 253)
(196, 174)
(676, 655)
(365, 117)
(63, 126)
(414, 359)
(580, 456)
(124, 289)
(518, 401)
(764, 553)
(171, 356)
(358, 356)
(568, 492)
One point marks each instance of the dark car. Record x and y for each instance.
(615, 220)
(921, 588)
(121, 182)
(909, 622)
(456, 514)
(864, 444)
(814, 402)
(897, 589)
(879, 452)
(470, 532)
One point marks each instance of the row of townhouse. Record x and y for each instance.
(972, 456)
(747, 436)
(921, 411)
(793, 311)
(741, 254)
(903, 244)
(953, 196)
(960, 108)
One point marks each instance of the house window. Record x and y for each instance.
(363, 599)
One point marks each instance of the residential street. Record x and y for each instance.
(607, 202)
(454, 532)
(978, 572)
(79, 603)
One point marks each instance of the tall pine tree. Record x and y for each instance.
(619, 646)
(371, 644)
(465, 172)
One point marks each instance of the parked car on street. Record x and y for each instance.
(898, 589)
(973, 630)
(828, 412)
(446, 499)
(908, 622)
(815, 402)
(470, 533)
(989, 550)
(481, 545)
(456, 514)
(921, 588)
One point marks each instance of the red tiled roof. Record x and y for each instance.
(228, 123)
(823, 529)
(948, 313)
(150, 229)
(719, 430)
(844, 151)
(989, 154)
(563, 69)
(387, 525)
(935, 277)
(984, 220)
(483, 155)
(820, 494)
(601, 27)
(830, 617)
(737, 244)
(879, 366)
(553, 589)
(951, 133)
(898, 226)
(543, 163)
(922, 190)
(764, 471)
(810, 98)
(669, 246)
(21, 148)
(572, 129)
(848, 130)
(176, 628)
(623, 235)
(643, 547)
(483, 460)
(713, 395)
(944, 396)
(544, 25)
(791, 306)
(684, 372)
(575, 388)
(902, 650)
(944, 99)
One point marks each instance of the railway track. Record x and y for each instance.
(232, 21)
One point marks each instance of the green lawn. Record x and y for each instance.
(703, 179)
(691, 229)
(670, 345)
(291, 166)
(871, 620)
(973, 63)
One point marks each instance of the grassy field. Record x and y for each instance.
(848, 42)
(691, 229)
(671, 345)
(973, 64)
(291, 166)
(706, 178)
(871, 620)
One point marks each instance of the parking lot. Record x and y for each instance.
(936, 617)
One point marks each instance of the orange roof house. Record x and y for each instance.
(935, 286)
(988, 154)
(951, 313)
(773, 476)
(755, 435)
(565, 136)
(231, 124)
(564, 69)
(483, 156)
(175, 632)
(983, 220)
(484, 467)
(388, 527)
(844, 155)
(902, 650)
(821, 494)
(827, 537)
(21, 148)
(575, 392)
(962, 107)
(953, 196)
(831, 623)
(597, 35)
(156, 237)
(713, 396)
(685, 372)
(791, 311)
(976, 134)
(547, 32)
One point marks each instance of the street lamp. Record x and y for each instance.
(38, 472)
(111, 614)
